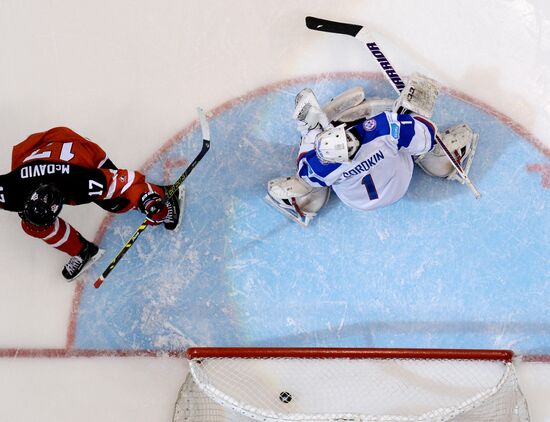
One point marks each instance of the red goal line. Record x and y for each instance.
(343, 353)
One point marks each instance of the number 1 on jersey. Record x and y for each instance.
(369, 184)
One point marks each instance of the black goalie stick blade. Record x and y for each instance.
(325, 25)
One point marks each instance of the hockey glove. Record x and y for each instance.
(154, 209)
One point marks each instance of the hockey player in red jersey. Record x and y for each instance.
(59, 167)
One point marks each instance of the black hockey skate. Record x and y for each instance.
(78, 263)
(174, 204)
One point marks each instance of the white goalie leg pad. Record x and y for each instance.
(378, 105)
(369, 107)
(343, 102)
(461, 141)
(418, 96)
(296, 199)
(308, 112)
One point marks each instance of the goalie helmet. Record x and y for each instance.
(336, 145)
(43, 205)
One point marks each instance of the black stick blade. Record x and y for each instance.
(325, 25)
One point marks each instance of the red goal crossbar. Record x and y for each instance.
(347, 353)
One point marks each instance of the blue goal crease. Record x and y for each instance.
(436, 269)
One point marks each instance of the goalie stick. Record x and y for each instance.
(362, 34)
(173, 189)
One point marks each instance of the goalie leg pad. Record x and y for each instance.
(296, 199)
(343, 102)
(370, 107)
(461, 141)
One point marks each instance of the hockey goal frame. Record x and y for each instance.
(202, 358)
(348, 353)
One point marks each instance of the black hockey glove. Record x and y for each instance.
(154, 209)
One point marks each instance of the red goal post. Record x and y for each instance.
(350, 384)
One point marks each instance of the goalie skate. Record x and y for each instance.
(458, 135)
(295, 199)
(461, 141)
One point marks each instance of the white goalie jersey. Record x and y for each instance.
(381, 170)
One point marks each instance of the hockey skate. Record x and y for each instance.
(295, 199)
(175, 207)
(78, 264)
(461, 141)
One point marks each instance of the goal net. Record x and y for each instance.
(298, 384)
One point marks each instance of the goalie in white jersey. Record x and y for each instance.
(368, 161)
(368, 164)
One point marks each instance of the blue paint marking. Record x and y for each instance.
(395, 131)
(436, 269)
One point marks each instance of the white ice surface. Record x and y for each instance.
(129, 74)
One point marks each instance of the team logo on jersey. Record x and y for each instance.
(394, 130)
(369, 125)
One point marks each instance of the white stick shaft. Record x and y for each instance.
(397, 83)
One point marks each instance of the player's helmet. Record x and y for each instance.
(43, 205)
(336, 145)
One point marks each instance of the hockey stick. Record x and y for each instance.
(362, 34)
(205, 147)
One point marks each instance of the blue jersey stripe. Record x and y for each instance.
(320, 169)
(316, 180)
(304, 174)
(377, 126)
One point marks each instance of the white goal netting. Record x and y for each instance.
(343, 389)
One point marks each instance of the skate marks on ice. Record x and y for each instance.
(436, 269)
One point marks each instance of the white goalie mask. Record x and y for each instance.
(336, 145)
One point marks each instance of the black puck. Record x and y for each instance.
(285, 397)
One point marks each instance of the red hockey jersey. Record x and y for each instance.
(72, 163)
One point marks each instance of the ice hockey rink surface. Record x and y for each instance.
(437, 269)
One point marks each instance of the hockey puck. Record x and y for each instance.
(285, 397)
